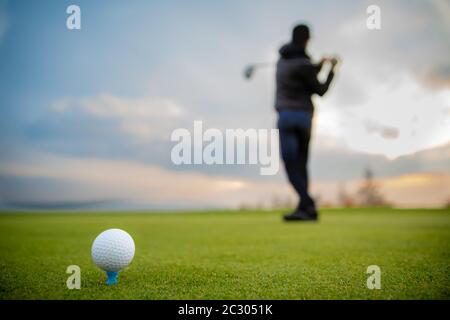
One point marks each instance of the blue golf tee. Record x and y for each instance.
(112, 277)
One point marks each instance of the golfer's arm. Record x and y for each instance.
(318, 87)
(319, 66)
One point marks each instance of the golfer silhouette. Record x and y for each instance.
(296, 82)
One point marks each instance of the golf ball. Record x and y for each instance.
(113, 250)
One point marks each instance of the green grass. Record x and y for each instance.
(232, 255)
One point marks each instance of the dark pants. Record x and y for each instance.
(295, 133)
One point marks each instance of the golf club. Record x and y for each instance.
(251, 68)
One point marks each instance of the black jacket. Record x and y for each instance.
(297, 79)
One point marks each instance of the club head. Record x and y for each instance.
(248, 72)
(336, 60)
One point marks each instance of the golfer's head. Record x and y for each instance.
(300, 35)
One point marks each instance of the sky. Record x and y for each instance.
(86, 115)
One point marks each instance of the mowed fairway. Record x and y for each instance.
(232, 255)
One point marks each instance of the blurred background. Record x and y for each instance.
(86, 115)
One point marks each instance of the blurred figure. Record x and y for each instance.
(296, 82)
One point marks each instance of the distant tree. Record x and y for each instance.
(281, 203)
(288, 203)
(259, 205)
(276, 202)
(344, 199)
(244, 206)
(369, 193)
(318, 199)
(447, 205)
(327, 204)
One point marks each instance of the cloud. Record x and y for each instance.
(401, 109)
(348, 91)
(99, 179)
(396, 78)
(142, 118)
(386, 132)
(417, 190)
(109, 126)
(418, 46)
(333, 161)
(107, 105)
(138, 130)
(47, 181)
(438, 75)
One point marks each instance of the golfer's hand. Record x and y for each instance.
(334, 62)
(323, 60)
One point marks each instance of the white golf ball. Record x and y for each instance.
(113, 250)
